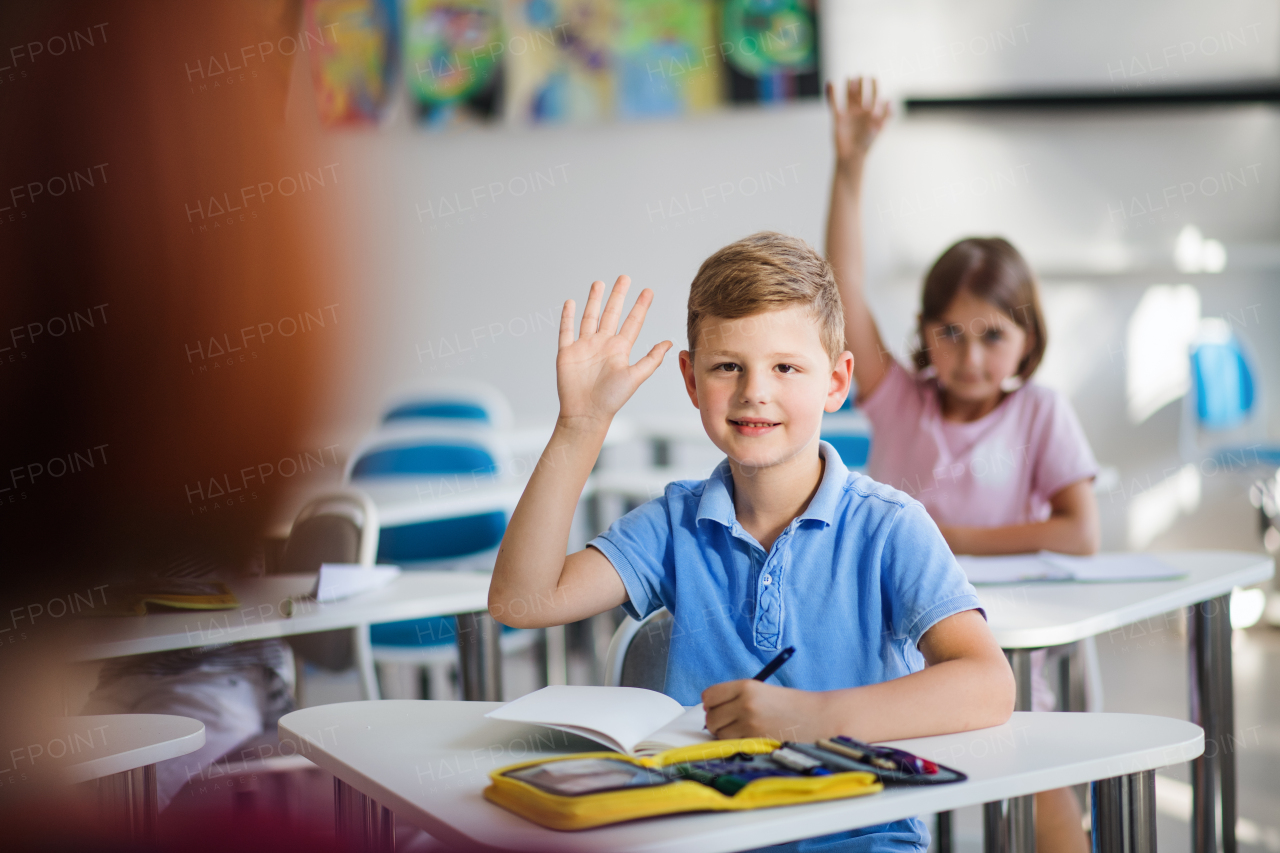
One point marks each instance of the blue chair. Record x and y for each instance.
(849, 432)
(1223, 416)
(457, 403)
(444, 496)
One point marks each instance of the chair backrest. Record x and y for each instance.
(637, 654)
(465, 404)
(849, 432)
(411, 469)
(340, 527)
(425, 451)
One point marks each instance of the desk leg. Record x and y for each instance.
(360, 822)
(1124, 813)
(1010, 826)
(129, 802)
(479, 657)
(942, 833)
(1213, 774)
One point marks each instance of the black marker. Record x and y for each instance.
(776, 664)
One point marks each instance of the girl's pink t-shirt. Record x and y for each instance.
(999, 470)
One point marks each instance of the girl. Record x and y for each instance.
(1000, 463)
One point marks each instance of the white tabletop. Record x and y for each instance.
(263, 608)
(429, 762)
(85, 748)
(1034, 615)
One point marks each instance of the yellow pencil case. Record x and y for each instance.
(581, 796)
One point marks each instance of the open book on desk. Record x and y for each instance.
(1048, 566)
(630, 720)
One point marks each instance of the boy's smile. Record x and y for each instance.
(762, 383)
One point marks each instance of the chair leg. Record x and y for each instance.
(440, 680)
(364, 662)
(557, 655)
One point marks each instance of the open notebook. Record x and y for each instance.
(631, 720)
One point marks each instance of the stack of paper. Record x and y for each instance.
(1048, 566)
(343, 580)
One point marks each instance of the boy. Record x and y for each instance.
(781, 546)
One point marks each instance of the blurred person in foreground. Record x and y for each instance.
(128, 284)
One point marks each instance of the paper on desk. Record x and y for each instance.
(1048, 566)
(1101, 568)
(343, 580)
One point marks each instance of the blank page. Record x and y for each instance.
(618, 717)
(685, 730)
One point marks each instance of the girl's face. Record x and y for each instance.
(975, 347)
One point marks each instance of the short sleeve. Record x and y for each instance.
(1065, 456)
(895, 400)
(921, 578)
(640, 547)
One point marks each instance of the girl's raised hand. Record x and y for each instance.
(594, 376)
(861, 120)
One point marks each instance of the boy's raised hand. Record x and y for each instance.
(860, 122)
(594, 376)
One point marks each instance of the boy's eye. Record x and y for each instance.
(727, 366)
(786, 368)
(994, 336)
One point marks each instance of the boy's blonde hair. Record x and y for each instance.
(767, 271)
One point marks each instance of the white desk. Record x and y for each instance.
(1041, 614)
(264, 603)
(429, 762)
(1027, 616)
(119, 752)
(267, 602)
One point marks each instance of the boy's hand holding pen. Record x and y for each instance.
(751, 708)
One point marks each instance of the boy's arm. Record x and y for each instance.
(966, 684)
(534, 584)
(1071, 528)
(856, 127)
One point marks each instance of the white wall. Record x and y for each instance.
(1071, 190)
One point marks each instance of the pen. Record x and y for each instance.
(776, 664)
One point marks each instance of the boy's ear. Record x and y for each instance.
(841, 379)
(686, 371)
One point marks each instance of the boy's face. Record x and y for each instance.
(762, 383)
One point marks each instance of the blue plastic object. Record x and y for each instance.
(418, 633)
(1224, 385)
(441, 538)
(444, 409)
(425, 460)
(853, 449)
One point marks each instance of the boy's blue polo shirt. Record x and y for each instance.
(853, 583)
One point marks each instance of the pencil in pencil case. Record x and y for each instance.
(600, 788)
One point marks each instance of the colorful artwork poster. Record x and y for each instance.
(559, 56)
(353, 64)
(666, 57)
(771, 50)
(453, 56)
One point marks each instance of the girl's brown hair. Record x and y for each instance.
(990, 269)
